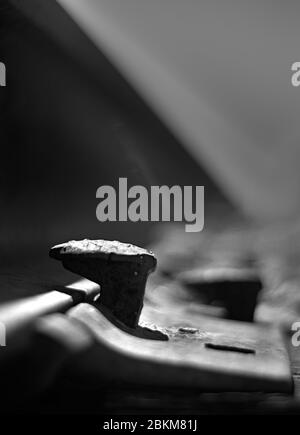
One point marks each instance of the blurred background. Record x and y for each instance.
(70, 123)
(160, 92)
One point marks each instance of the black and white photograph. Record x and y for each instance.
(150, 212)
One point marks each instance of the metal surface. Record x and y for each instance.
(220, 355)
